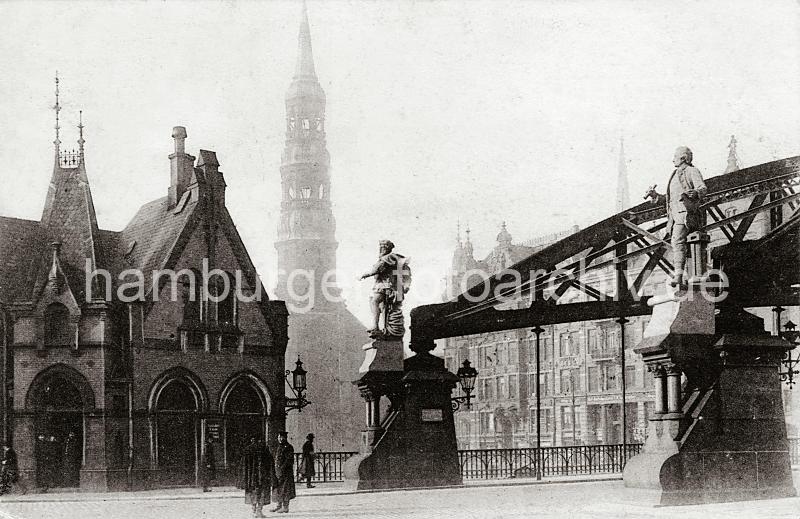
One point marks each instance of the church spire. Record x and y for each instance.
(305, 56)
(733, 158)
(623, 199)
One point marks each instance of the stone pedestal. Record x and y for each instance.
(721, 436)
(415, 445)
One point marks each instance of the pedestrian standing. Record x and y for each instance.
(9, 469)
(283, 489)
(71, 460)
(307, 461)
(208, 466)
(256, 473)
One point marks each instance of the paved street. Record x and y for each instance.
(598, 499)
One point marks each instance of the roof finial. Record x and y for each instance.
(733, 158)
(458, 232)
(57, 108)
(80, 132)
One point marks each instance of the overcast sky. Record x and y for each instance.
(437, 111)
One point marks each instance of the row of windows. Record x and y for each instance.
(597, 379)
(598, 342)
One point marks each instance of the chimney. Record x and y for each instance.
(181, 166)
(213, 176)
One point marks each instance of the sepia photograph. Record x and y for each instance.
(400, 259)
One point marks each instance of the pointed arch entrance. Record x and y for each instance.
(176, 402)
(245, 406)
(60, 397)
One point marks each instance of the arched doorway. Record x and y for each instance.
(177, 424)
(59, 431)
(245, 414)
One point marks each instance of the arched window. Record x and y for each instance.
(58, 330)
(291, 192)
(321, 191)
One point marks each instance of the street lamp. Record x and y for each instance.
(298, 387)
(466, 379)
(790, 334)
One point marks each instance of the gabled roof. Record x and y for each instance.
(148, 240)
(21, 249)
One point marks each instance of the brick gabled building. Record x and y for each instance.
(143, 373)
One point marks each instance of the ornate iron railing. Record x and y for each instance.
(510, 463)
(328, 466)
(555, 461)
(516, 463)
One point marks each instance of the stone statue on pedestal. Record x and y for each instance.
(392, 281)
(684, 198)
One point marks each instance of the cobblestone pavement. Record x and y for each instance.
(599, 499)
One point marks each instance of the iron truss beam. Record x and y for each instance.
(603, 244)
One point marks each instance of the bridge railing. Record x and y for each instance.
(555, 461)
(504, 463)
(518, 463)
(328, 466)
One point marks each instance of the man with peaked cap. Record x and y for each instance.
(283, 489)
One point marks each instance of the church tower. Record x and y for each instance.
(306, 232)
(322, 331)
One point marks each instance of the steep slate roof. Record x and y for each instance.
(21, 248)
(149, 238)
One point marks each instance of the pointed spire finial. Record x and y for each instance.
(733, 158)
(458, 232)
(80, 133)
(57, 108)
(305, 56)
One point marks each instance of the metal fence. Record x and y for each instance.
(517, 463)
(555, 461)
(328, 466)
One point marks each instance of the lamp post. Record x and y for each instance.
(466, 379)
(538, 331)
(298, 387)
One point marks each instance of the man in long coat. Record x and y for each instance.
(256, 472)
(307, 462)
(283, 487)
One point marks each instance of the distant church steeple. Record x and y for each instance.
(623, 199)
(306, 232)
(733, 158)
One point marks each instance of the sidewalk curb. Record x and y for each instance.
(230, 494)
